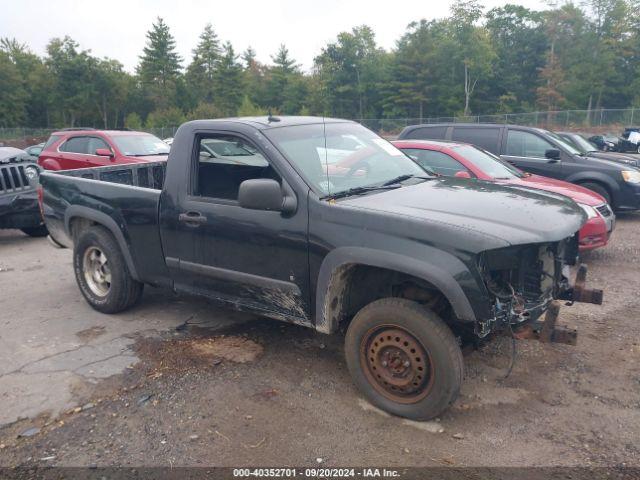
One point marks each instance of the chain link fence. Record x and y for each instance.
(600, 121)
(589, 121)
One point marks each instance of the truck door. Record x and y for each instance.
(526, 150)
(213, 246)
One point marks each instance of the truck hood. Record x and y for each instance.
(501, 215)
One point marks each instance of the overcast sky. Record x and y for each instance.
(116, 28)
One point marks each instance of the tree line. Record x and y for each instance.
(502, 60)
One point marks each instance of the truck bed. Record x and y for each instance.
(123, 198)
(145, 175)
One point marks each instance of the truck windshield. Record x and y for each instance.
(338, 157)
(140, 145)
(488, 163)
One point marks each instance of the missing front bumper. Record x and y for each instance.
(547, 330)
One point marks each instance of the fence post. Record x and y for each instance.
(631, 122)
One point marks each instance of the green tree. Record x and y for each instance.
(73, 89)
(201, 71)
(228, 80)
(248, 109)
(159, 66)
(277, 88)
(133, 121)
(254, 78)
(167, 117)
(473, 51)
(13, 98)
(520, 42)
(352, 72)
(411, 79)
(110, 90)
(35, 79)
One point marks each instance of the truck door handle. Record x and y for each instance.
(192, 218)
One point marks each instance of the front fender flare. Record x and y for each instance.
(78, 211)
(344, 256)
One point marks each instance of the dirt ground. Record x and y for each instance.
(226, 389)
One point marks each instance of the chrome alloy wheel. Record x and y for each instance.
(97, 274)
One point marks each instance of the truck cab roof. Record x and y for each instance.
(267, 121)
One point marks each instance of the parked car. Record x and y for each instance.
(375, 248)
(73, 148)
(590, 150)
(539, 151)
(606, 143)
(630, 138)
(466, 161)
(18, 197)
(34, 150)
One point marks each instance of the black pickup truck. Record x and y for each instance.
(260, 214)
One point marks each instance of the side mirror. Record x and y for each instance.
(265, 194)
(552, 154)
(104, 152)
(462, 174)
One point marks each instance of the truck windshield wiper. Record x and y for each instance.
(402, 178)
(358, 191)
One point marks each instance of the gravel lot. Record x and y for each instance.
(81, 388)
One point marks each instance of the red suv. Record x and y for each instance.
(74, 148)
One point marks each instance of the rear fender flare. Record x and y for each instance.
(342, 257)
(101, 218)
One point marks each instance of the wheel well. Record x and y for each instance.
(353, 286)
(79, 224)
(600, 184)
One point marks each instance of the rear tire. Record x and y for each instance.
(404, 359)
(599, 189)
(102, 274)
(36, 232)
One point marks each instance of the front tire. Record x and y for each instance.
(404, 359)
(102, 274)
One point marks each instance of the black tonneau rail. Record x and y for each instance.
(146, 175)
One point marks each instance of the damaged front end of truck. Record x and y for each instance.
(527, 281)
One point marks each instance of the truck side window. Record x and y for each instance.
(525, 144)
(224, 162)
(437, 162)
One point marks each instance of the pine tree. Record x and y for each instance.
(280, 75)
(228, 80)
(201, 70)
(159, 65)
